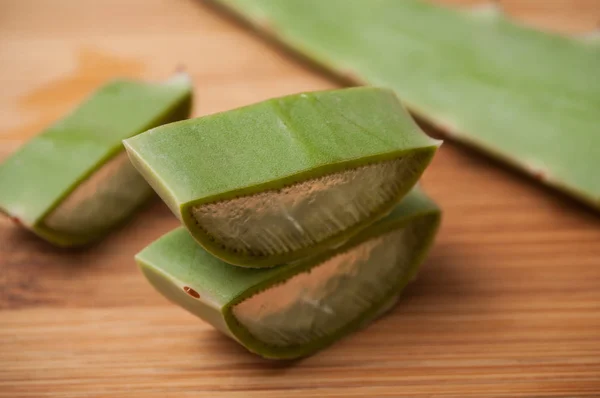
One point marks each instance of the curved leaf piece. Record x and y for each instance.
(276, 181)
(73, 182)
(296, 309)
(527, 97)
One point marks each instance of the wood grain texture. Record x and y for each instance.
(508, 303)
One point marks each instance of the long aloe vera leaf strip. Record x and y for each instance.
(268, 146)
(527, 97)
(39, 177)
(210, 288)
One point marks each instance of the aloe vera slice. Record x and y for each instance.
(73, 182)
(272, 182)
(296, 309)
(529, 98)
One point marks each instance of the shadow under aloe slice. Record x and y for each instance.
(273, 182)
(298, 308)
(72, 183)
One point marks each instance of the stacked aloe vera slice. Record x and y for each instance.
(301, 217)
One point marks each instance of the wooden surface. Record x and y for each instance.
(508, 302)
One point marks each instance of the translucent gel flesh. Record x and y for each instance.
(305, 213)
(315, 304)
(104, 198)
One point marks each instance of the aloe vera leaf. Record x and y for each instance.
(529, 98)
(272, 182)
(73, 182)
(298, 308)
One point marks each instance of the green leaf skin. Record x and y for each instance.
(529, 98)
(275, 144)
(40, 176)
(209, 288)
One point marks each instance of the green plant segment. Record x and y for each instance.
(529, 98)
(73, 182)
(298, 308)
(273, 182)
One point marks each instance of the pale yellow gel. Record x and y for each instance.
(315, 304)
(104, 198)
(302, 214)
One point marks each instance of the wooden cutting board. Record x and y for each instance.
(508, 302)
